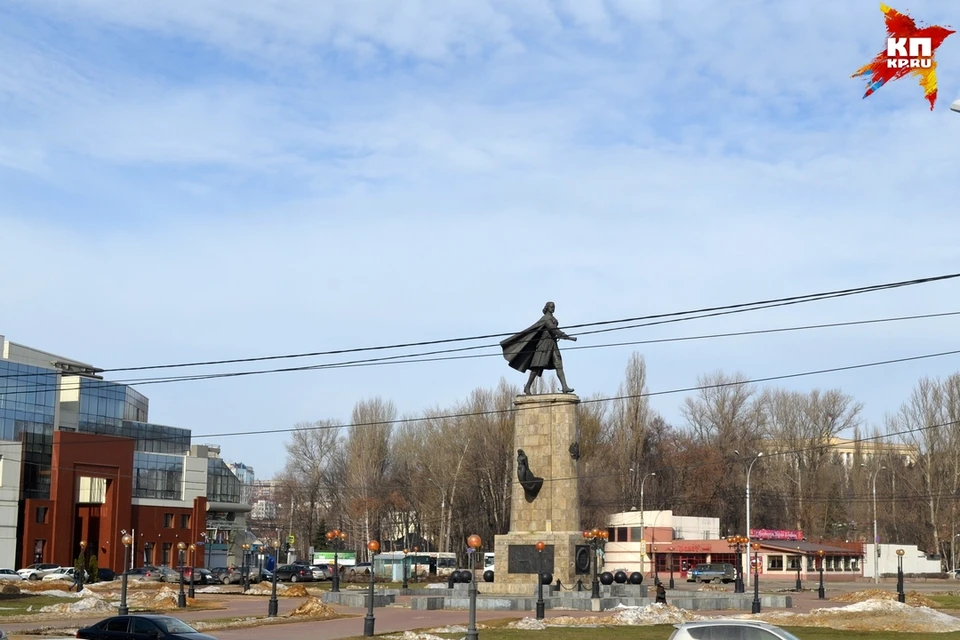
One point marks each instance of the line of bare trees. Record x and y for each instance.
(432, 479)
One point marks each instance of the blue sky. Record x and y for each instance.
(217, 179)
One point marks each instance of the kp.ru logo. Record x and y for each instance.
(910, 51)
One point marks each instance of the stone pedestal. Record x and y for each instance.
(545, 427)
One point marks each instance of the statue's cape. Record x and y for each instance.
(520, 348)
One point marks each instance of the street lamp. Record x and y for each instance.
(245, 569)
(749, 469)
(181, 597)
(671, 568)
(474, 543)
(642, 482)
(901, 597)
(756, 578)
(272, 605)
(373, 547)
(336, 538)
(82, 569)
(595, 538)
(820, 592)
(799, 566)
(405, 585)
(127, 540)
(193, 568)
(738, 543)
(540, 607)
(876, 536)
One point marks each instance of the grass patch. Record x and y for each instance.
(17, 604)
(946, 601)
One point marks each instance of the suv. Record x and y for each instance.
(713, 572)
(37, 571)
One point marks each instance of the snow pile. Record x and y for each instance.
(915, 598)
(453, 628)
(410, 635)
(314, 608)
(528, 624)
(882, 615)
(90, 603)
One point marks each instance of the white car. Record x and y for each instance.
(10, 575)
(63, 573)
(720, 629)
(38, 570)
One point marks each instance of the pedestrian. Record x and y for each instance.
(661, 593)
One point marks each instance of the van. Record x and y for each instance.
(713, 572)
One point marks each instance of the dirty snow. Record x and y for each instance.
(90, 602)
(314, 608)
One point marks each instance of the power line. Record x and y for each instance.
(424, 356)
(812, 297)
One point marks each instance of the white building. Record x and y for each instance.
(914, 560)
(629, 529)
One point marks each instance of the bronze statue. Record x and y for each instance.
(535, 349)
(530, 483)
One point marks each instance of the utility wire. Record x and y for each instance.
(812, 297)
(425, 356)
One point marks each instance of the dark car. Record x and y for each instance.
(134, 627)
(295, 573)
(202, 576)
(106, 575)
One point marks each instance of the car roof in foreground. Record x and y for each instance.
(725, 621)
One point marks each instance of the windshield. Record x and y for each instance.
(173, 625)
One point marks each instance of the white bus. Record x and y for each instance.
(421, 564)
(488, 560)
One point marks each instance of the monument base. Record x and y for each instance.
(515, 570)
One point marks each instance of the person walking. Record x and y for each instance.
(661, 593)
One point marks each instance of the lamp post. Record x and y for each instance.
(756, 578)
(373, 547)
(193, 568)
(245, 569)
(670, 560)
(820, 593)
(799, 566)
(652, 473)
(405, 585)
(749, 469)
(413, 565)
(474, 543)
(181, 597)
(540, 606)
(82, 569)
(901, 597)
(738, 543)
(876, 536)
(595, 537)
(127, 540)
(336, 538)
(272, 605)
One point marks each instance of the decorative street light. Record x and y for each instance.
(336, 538)
(272, 605)
(820, 592)
(373, 547)
(127, 540)
(540, 606)
(642, 482)
(738, 543)
(473, 543)
(596, 539)
(876, 536)
(671, 567)
(193, 568)
(245, 569)
(901, 597)
(82, 569)
(405, 585)
(799, 566)
(756, 578)
(413, 565)
(181, 597)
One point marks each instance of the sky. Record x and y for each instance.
(215, 179)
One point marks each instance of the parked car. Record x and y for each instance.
(106, 575)
(65, 573)
(142, 626)
(37, 571)
(295, 573)
(202, 576)
(359, 569)
(322, 572)
(10, 575)
(713, 572)
(144, 574)
(719, 629)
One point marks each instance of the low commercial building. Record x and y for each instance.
(81, 465)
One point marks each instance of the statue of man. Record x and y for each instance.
(535, 349)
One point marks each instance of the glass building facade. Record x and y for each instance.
(27, 411)
(157, 475)
(222, 484)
